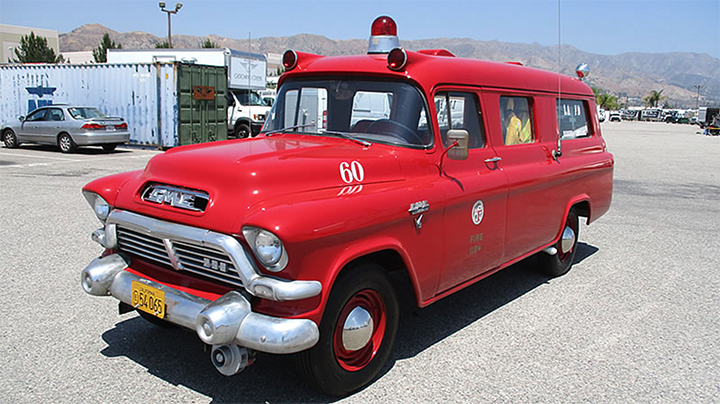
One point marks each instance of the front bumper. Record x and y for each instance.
(227, 321)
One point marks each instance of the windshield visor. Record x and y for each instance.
(380, 111)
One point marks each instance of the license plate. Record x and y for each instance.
(148, 299)
(110, 128)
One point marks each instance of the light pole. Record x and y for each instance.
(178, 6)
(697, 98)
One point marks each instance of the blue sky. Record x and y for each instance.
(604, 27)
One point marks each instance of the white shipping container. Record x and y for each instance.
(144, 94)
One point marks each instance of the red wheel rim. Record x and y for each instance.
(564, 256)
(371, 301)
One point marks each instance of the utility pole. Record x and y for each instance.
(697, 97)
(178, 6)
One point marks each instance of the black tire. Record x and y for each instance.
(10, 139)
(109, 147)
(560, 263)
(66, 143)
(154, 320)
(242, 131)
(329, 366)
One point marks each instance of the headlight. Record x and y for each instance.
(100, 206)
(267, 247)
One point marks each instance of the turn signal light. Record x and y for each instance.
(290, 59)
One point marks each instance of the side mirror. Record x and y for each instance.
(21, 118)
(459, 152)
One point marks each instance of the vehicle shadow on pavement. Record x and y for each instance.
(178, 357)
(84, 151)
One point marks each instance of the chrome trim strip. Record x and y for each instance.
(256, 284)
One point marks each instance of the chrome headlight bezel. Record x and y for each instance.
(99, 205)
(257, 240)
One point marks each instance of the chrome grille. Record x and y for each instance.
(201, 260)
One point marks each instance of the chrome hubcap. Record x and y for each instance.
(64, 143)
(357, 329)
(568, 240)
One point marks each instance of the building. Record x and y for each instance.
(10, 39)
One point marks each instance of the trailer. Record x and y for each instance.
(164, 104)
(246, 76)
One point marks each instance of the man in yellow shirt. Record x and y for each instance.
(518, 128)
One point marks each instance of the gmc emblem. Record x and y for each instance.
(176, 197)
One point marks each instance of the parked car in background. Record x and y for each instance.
(67, 127)
(614, 116)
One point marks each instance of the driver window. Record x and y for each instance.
(456, 110)
(37, 116)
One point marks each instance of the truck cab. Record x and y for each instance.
(375, 176)
(246, 112)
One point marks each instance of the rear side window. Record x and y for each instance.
(573, 119)
(516, 117)
(457, 110)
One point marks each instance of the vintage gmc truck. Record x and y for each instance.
(411, 165)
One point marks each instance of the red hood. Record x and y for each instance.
(239, 174)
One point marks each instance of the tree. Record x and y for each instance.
(162, 45)
(605, 100)
(208, 44)
(35, 49)
(654, 98)
(100, 53)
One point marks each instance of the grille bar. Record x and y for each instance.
(197, 259)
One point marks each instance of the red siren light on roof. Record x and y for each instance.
(383, 35)
(383, 25)
(397, 59)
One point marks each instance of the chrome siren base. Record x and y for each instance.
(227, 321)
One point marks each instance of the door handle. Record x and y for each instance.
(493, 160)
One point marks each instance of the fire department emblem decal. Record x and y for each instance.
(478, 211)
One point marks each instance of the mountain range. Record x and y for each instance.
(628, 76)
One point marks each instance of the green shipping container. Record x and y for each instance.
(202, 103)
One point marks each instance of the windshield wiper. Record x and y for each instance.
(287, 128)
(347, 136)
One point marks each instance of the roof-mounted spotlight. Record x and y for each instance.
(582, 70)
(383, 35)
(289, 59)
(397, 59)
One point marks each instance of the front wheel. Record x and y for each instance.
(559, 263)
(242, 131)
(9, 139)
(356, 333)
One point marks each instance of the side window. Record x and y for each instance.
(456, 110)
(516, 117)
(56, 115)
(572, 119)
(37, 115)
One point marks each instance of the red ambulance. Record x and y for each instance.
(386, 174)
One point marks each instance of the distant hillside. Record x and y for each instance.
(631, 75)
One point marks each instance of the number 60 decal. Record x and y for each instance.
(350, 172)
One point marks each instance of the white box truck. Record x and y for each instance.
(246, 74)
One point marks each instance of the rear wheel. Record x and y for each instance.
(109, 147)
(9, 139)
(559, 263)
(356, 333)
(66, 143)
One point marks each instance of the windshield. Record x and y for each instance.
(86, 113)
(381, 111)
(246, 97)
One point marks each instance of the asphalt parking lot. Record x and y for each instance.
(635, 320)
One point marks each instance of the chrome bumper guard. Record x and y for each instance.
(226, 321)
(256, 284)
